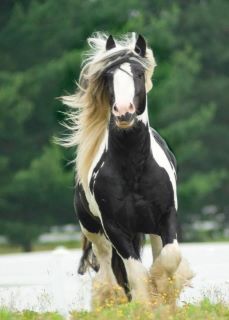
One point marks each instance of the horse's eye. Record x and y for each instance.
(105, 75)
(140, 75)
(109, 73)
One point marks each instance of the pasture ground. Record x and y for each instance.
(204, 310)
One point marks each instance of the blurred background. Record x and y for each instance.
(41, 46)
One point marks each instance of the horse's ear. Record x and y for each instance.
(110, 43)
(140, 46)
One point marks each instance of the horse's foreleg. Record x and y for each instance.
(105, 287)
(137, 274)
(170, 272)
(138, 278)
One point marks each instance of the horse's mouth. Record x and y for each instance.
(125, 121)
(125, 124)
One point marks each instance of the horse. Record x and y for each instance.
(125, 175)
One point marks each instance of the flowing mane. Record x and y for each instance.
(89, 109)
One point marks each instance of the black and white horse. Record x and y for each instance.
(126, 175)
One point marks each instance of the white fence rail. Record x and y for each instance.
(47, 281)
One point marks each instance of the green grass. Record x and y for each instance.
(28, 315)
(133, 311)
(7, 248)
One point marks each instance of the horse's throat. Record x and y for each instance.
(131, 146)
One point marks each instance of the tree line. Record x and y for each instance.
(41, 46)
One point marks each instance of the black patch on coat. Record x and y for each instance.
(85, 216)
(139, 85)
(120, 272)
(165, 148)
(95, 172)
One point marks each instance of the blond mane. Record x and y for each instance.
(89, 108)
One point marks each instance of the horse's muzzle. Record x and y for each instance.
(125, 121)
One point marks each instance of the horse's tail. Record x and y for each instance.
(138, 243)
(118, 265)
(88, 258)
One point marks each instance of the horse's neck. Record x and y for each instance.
(131, 142)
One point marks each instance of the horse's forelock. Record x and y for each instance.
(97, 59)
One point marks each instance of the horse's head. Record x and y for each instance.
(125, 83)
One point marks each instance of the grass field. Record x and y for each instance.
(8, 248)
(132, 311)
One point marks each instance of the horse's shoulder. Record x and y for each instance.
(165, 147)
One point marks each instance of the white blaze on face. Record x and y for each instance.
(123, 86)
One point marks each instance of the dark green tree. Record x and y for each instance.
(41, 51)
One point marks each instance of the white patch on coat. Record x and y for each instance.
(95, 176)
(123, 82)
(103, 146)
(170, 265)
(137, 276)
(102, 249)
(159, 155)
(144, 116)
(170, 256)
(162, 160)
(156, 245)
(93, 206)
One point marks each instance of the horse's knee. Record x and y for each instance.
(170, 257)
(170, 273)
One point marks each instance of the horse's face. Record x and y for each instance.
(126, 90)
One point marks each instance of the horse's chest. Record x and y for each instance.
(131, 188)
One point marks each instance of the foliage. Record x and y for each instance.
(28, 315)
(19, 233)
(32, 186)
(133, 311)
(41, 49)
(7, 248)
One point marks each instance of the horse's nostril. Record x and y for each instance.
(131, 106)
(115, 108)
